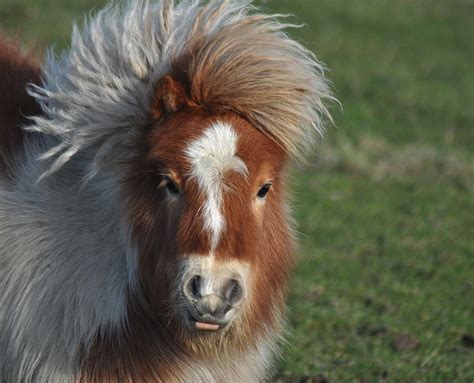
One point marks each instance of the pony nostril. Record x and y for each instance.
(194, 287)
(235, 292)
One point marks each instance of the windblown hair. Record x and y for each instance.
(229, 57)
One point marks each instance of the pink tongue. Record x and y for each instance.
(207, 326)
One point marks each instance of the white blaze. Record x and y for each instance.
(211, 155)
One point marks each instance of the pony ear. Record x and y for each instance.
(170, 96)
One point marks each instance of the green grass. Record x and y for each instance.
(387, 208)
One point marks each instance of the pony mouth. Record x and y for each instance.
(205, 324)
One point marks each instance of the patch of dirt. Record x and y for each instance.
(468, 340)
(405, 342)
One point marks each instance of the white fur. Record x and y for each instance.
(211, 155)
(63, 268)
(251, 365)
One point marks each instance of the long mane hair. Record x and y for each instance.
(230, 57)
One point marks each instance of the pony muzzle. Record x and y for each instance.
(212, 296)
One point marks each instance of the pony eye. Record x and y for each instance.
(264, 190)
(171, 186)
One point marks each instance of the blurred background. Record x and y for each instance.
(384, 290)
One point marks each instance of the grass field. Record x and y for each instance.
(384, 290)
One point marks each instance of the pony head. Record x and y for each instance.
(206, 197)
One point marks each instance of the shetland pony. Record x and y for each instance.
(144, 229)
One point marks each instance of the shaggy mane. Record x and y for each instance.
(97, 94)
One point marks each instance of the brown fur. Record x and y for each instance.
(155, 346)
(16, 71)
(253, 69)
